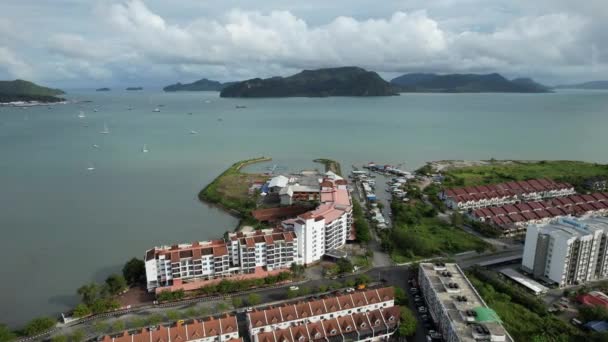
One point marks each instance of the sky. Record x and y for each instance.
(94, 43)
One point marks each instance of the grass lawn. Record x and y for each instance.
(574, 172)
(230, 189)
(431, 237)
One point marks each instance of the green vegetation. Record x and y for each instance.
(6, 334)
(116, 284)
(330, 165)
(432, 192)
(466, 83)
(297, 270)
(200, 85)
(168, 296)
(99, 298)
(344, 81)
(573, 172)
(230, 190)
(20, 90)
(400, 296)
(39, 325)
(254, 299)
(172, 315)
(59, 338)
(237, 302)
(229, 286)
(418, 233)
(361, 224)
(523, 322)
(344, 266)
(134, 272)
(81, 310)
(593, 313)
(408, 322)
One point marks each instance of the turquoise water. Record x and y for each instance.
(63, 226)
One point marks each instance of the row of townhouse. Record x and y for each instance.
(369, 315)
(223, 329)
(242, 253)
(327, 227)
(514, 219)
(482, 196)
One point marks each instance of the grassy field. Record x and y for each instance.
(574, 172)
(330, 165)
(230, 189)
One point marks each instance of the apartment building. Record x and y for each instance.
(475, 197)
(223, 329)
(568, 251)
(460, 312)
(328, 226)
(366, 315)
(242, 253)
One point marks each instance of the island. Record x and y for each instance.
(343, 81)
(25, 91)
(135, 88)
(200, 85)
(585, 85)
(466, 83)
(102, 89)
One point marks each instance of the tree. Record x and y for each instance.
(88, 293)
(344, 265)
(254, 299)
(237, 302)
(172, 315)
(6, 334)
(59, 338)
(400, 296)
(77, 336)
(118, 326)
(155, 319)
(363, 279)
(116, 284)
(221, 306)
(291, 294)
(297, 270)
(134, 272)
(457, 219)
(408, 322)
(81, 310)
(39, 325)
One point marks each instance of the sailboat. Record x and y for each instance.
(156, 110)
(105, 129)
(193, 132)
(81, 115)
(91, 167)
(144, 149)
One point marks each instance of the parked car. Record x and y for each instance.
(294, 288)
(422, 309)
(350, 290)
(413, 290)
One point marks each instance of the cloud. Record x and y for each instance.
(13, 66)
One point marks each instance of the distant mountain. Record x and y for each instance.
(200, 85)
(102, 89)
(466, 83)
(20, 90)
(344, 81)
(586, 85)
(135, 88)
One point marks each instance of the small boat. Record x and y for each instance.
(144, 149)
(95, 110)
(91, 167)
(95, 146)
(130, 108)
(189, 113)
(81, 115)
(207, 101)
(240, 107)
(193, 132)
(105, 129)
(161, 105)
(220, 119)
(156, 110)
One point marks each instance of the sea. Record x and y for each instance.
(76, 204)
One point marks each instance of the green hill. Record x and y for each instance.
(200, 85)
(344, 81)
(466, 83)
(20, 90)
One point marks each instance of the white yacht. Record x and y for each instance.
(91, 167)
(95, 146)
(156, 110)
(105, 129)
(81, 115)
(144, 149)
(193, 132)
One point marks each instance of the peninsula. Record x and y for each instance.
(200, 85)
(466, 83)
(343, 81)
(102, 89)
(25, 91)
(135, 88)
(585, 85)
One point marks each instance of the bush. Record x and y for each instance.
(6, 334)
(39, 325)
(116, 284)
(237, 302)
(408, 322)
(400, 296)
(254, 299)
(81, 310)
(134, 272)
(171, 295)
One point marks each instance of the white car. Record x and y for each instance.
(294, 288)
(350, 290)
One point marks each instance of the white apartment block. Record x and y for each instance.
(460, 312)
(568, 251)
(243, 253)
(371, 314)
(328, 226)
(223, 329)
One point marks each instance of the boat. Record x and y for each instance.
(240, 107)
(156, 110)
(95, 110)
(81, 115)
(207, 101)
(193, 132)
(144, 149)
(91, 167)
(130, 108)
(95, 146)
(220, 119)
(105, 129)
(189, 113)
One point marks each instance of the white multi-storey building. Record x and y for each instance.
(328, 226)
(243, 253)
(460, 312)
(568, 252)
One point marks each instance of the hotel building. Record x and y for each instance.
(568, 252)
(460, 312)
(369, 315)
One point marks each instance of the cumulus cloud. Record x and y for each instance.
(13, 66)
